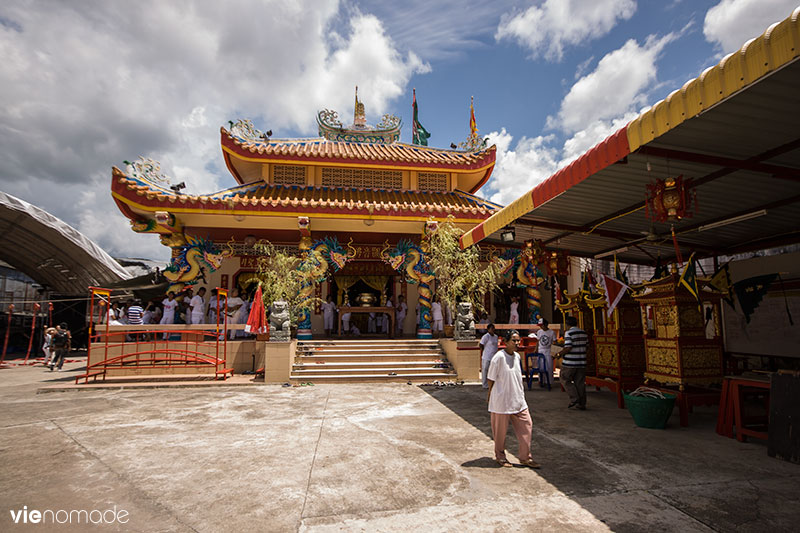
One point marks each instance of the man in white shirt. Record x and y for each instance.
(168, 317)
(546, 338)
(400, 317)
(507, 403)
(438, 318)
(488, 346)
(198, 305)
(385, 318)
(328, 313)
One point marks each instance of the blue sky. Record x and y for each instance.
(86, 85)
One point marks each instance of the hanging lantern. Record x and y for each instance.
(670, 199)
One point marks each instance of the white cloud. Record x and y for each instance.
(618, 85)
(87, 85)
(547, 29)
(732, 22)
(531, 161)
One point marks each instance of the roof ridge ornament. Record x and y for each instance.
(147, 170)
(331, 128)
(244, 129)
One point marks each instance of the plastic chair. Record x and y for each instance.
(541, 368)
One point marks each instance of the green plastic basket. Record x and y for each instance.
(650, 413)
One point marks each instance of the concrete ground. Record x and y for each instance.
(370, 458)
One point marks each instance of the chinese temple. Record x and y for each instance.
(355, 187)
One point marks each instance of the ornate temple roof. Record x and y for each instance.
(286, 198)
(377, 154)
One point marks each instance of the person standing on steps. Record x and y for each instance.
(507, 403)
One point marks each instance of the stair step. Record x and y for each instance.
(374, 364)
(313, 372)
(374, 377)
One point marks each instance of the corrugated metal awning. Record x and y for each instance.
(733, 130)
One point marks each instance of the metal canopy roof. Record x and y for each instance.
(51, 251)
(741, 147)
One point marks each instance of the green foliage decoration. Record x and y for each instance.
(460, 275)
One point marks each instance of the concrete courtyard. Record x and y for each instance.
(370, 458)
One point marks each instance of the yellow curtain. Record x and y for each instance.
(344, 283)
(376, 282)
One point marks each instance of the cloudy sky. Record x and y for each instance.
(87, 84)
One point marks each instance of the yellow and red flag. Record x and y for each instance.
(473, 125)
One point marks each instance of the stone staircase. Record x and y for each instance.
(371, 360)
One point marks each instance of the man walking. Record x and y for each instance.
(507, 403)
(573, 366)
(61, 342)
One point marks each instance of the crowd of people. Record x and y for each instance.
(187, 307)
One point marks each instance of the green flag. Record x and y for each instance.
(751, 291)
(419, 135)
(721, 281)
(689, 278)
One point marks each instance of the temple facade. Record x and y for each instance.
(357, 186)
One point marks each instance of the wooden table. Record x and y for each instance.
(730, 407)
(362, 309)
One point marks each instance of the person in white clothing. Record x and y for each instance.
(438, 318)
(213, 301)
(513, 314)
(507, 403)
(198, 305)
(185, 306)
(328, 315)
(546, 338)
(488, 344)
(385, 318)
(170, 304)
(346, 322)
(235, 312)
(400, 316)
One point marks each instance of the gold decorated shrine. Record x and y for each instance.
(576, 305)
(682, 338)
(618, 343)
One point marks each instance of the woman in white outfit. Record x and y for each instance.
(513, 315)
(235, 306)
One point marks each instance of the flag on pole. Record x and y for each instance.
(587, 285)
(689, 278)
(618, 273)
(419, 135)
(751, 291)
(257, 321)
(721, 281)
(615, 290)
(661, 269)
(473, 124)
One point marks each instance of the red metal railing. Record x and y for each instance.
(128, 350)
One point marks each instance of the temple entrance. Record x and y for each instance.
(364, 291)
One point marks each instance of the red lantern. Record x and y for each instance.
(670, 199)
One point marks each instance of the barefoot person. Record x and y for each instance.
(507, 403)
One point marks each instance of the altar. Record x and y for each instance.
(389, 311)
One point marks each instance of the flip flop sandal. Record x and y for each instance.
(503, 463)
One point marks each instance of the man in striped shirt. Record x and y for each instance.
(573, 365)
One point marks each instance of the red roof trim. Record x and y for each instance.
(602, 155)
